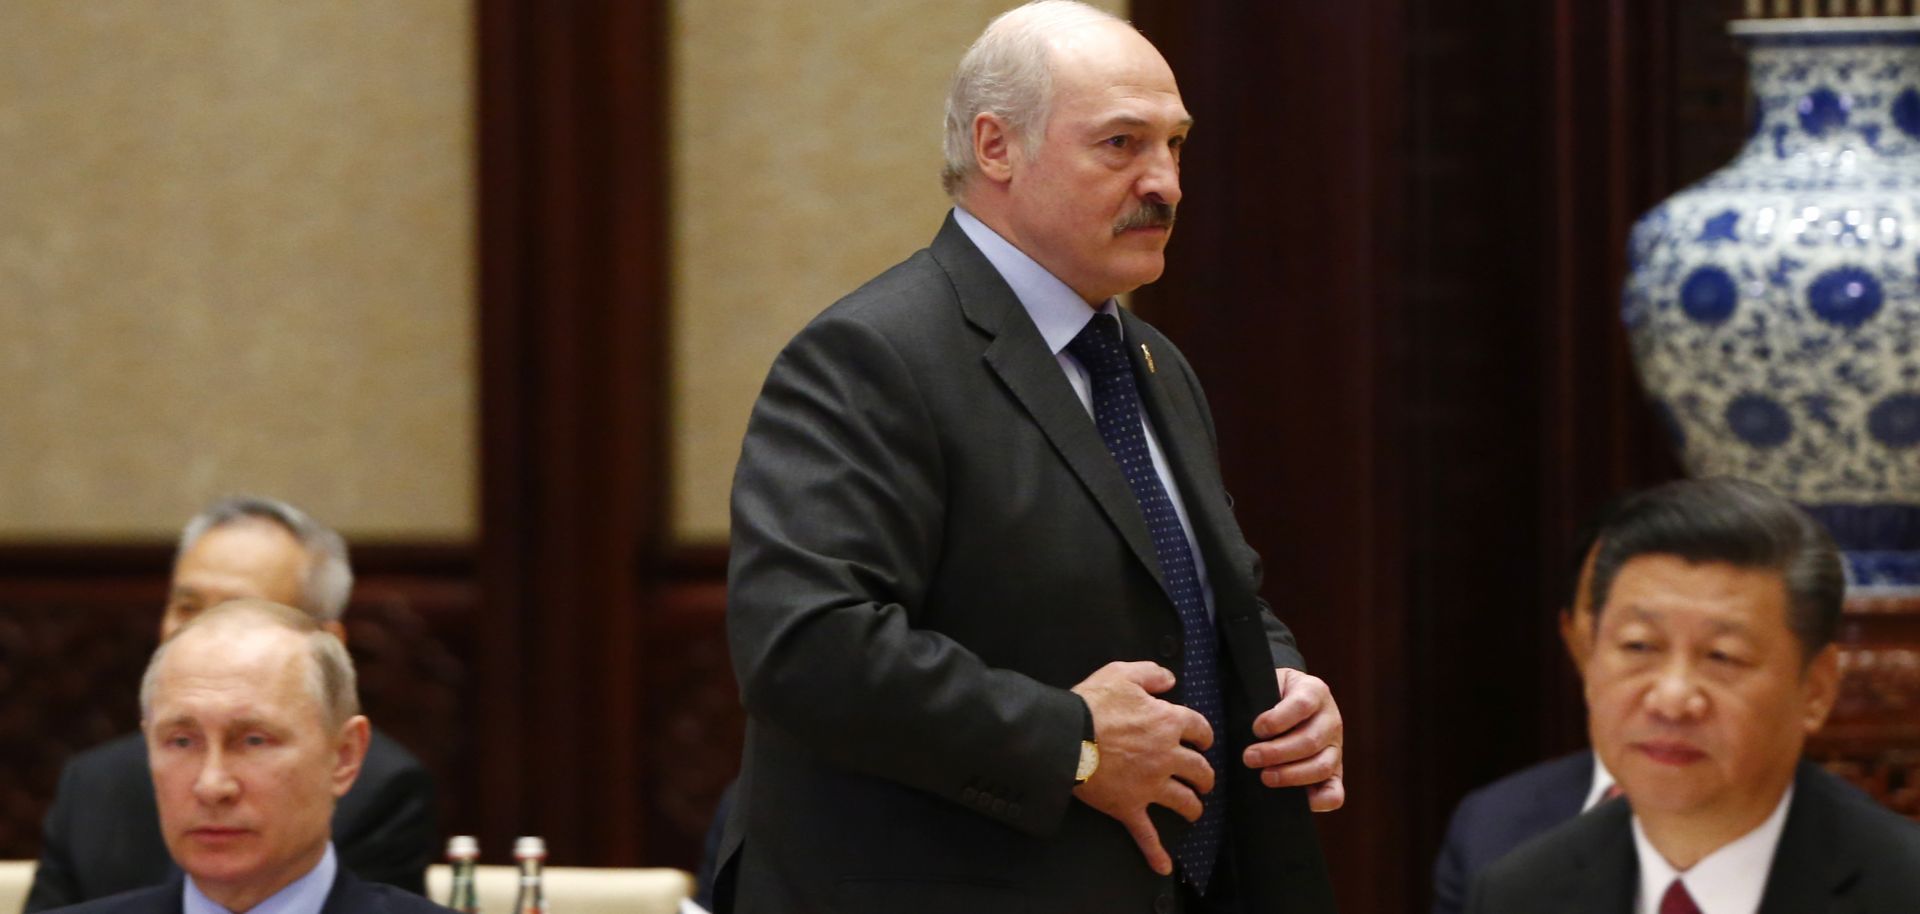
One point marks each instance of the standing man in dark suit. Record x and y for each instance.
(1713, 658)
(1493, 820)
(253, 731)
(101, 836)
(997, 631)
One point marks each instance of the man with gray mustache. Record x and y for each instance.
(998, 634)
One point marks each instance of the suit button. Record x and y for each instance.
(1169, 646)
(1163, 904)
(999, 807)
(1013, 810)
(969, 795)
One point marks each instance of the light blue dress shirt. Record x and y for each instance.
(305, 895)
(1061, 314)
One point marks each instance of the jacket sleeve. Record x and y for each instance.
(838, 505)
(55, 885)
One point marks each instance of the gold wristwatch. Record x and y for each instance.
(1089, 761)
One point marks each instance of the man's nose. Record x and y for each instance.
(1161, 181)
(215, 784)
(1675, 695)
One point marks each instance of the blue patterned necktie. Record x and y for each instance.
(1116, 410)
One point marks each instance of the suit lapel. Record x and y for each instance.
(1182, 433)
(1609, 871)
(1021, 359)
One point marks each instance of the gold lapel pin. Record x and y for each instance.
(1149, 354)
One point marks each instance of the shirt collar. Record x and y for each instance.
(1729, 880)
(305, 895)
(1055, 308)
(1602, 782)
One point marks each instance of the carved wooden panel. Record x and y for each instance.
(413, 644)
(695, 716)
(1873, 735)
(70, 665)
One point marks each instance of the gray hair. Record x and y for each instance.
(329, 578)
(1008, 73)
(330, 676)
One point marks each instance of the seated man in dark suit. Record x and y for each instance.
(253, 731)
(101, 836)
(1713, 658)
(1493, 820)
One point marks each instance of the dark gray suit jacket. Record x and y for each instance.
(102, 835)
(348, 896)
(1840, 853)
(1493, 820)
(931, 544)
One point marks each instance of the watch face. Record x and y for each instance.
(1089, 760)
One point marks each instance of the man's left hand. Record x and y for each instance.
(1300, 741)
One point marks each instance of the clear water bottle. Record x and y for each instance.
(463, 852)
(531, 854)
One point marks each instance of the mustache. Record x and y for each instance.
(1151, 214)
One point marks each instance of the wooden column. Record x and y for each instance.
(572, 304)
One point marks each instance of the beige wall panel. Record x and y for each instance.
(236, 254)
(806, 142)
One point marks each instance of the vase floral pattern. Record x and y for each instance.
(1774, 307)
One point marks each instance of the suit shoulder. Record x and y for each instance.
(1550, 851)
(387, 758)
(112, 775)
(1878, 832)
(909, 316)
(900, 296)
(1875, 851)
(386, 898)
(1531, 786)
(111, 759)
(150, 900)
(353, 895)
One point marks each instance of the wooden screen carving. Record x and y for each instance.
(1873, 735)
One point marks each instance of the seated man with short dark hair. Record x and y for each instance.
(1716, 605)
(253, 731)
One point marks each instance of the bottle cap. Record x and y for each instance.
(463, 847)
(525, 848)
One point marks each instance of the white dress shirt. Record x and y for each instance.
(1602, 782)
(1727, 881)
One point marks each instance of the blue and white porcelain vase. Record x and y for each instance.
(1774, 307)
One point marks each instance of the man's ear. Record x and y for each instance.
(1576, 632)
(993, 148)
(1821, 683)
(350, 750)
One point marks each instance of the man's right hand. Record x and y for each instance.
(1149, 752)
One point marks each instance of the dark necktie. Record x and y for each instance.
(1116, 410)
(1677, 901)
